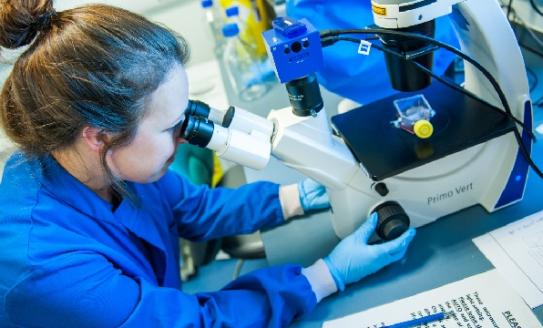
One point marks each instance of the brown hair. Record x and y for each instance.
(91, 65)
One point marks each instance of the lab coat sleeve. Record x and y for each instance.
(202, 213)
(84, 289)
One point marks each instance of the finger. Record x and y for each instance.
(364, 232)
(396, 248)
(311, 184)
(307, 186)
(323, 201)
(302, 189)
(320, 191)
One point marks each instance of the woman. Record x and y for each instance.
(89, 213)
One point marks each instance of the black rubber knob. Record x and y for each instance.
(381, 189)
(393, 221)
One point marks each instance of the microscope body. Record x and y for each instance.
(492, 173)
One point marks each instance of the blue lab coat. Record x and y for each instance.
(68, 260)
(363, 79)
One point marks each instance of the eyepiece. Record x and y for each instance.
(197, 108)
(197, 130)
(248, 149)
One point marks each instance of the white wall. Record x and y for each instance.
(183, 16)
(187, 19)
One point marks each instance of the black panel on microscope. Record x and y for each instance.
(460, 122)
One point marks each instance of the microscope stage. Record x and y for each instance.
(460, 122)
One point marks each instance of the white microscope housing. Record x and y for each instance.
(492, 173)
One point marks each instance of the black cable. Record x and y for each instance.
(486, 73)
(527, 157)
(530, 49)
(520, 37)
(456, 87)
(536, 8)
(509, 8)
(449, 83)
(522, 147)
(443, 80)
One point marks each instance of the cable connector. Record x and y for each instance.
(364, 47)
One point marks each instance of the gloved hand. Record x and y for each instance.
(313, 195)
(352, 259)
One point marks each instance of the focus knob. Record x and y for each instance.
(393, 221)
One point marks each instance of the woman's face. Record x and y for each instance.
(152, 150)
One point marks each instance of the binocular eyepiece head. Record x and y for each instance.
(197, 130)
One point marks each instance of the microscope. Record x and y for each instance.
(472, 148)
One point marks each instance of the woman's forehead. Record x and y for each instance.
(170, 99)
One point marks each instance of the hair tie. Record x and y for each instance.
(43, 22)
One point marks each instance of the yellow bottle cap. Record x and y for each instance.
(423, 129)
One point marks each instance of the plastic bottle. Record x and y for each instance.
(243, 69)
(215, 20)
(233, 16)
(257, 16)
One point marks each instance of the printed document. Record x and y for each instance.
(516, 251)
(481, 301)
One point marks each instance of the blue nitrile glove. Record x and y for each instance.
(313, 195)
(353, 259)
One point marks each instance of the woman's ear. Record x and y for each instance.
(94, 137)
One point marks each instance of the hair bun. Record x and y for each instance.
(21, 20)
(43, 21)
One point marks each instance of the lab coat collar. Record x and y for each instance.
(140, 222)
(72, 191)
